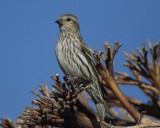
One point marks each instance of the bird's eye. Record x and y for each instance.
(68, 19)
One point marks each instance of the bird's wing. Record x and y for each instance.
(87, 53)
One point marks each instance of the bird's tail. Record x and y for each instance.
(96, 94)
(103, 111)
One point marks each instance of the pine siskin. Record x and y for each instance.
(75, 61)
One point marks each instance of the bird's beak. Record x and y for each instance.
(58, 21)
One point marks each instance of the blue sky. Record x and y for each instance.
(28, 37)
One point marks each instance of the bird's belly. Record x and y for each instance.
(71, 67)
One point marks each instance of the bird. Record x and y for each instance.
(75, 60)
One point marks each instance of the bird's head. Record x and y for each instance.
(68, 22)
